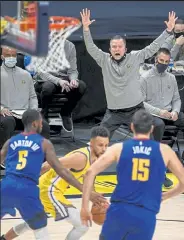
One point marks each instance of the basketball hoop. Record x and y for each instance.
(60, 28)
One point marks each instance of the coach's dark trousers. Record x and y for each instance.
(9, 124)
(113, 119)
(159, 126)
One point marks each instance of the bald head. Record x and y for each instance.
(9, 56)
(8, 52)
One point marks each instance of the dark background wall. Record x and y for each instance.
(134, 18)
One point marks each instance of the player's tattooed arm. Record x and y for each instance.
(53, 161)
(4, 151)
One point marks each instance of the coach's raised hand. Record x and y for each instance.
(171, 21)
(85, 15)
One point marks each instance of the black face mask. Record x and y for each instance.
(161, 67)
(120, 60)
(177, 35)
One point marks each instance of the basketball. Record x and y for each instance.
(99, 213)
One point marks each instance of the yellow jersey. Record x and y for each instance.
(51, 178)
(52, 188)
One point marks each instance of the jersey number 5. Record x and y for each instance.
(140, 169)
(22, 161)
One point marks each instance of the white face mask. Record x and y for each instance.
(10, 61)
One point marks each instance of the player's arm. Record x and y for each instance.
(75, 161)
(64, 173)
(111, 155)
(176, 167)
(4, 151)
(53, 161)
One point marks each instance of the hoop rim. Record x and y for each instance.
(69, 21)
(30, 22)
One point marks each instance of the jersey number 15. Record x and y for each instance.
(140, 169)
(22, 160)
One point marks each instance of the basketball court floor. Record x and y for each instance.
(170, 223)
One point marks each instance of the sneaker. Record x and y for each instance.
(2, 166)
(44, 115)
(2, 174)
(67, 123)
(49, 215)
(168, 183)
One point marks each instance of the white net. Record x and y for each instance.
(56, 59)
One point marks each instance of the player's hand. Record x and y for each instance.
(65, 85)
(165, 114)
(180, 40)
(174, 116)
(5, 112)
(74, 84)
(85, 15)
(171, 21)
(164, 196)
(86, 217)
(97, 198)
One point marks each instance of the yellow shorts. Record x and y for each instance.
(55, 203)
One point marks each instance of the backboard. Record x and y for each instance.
(33, 41)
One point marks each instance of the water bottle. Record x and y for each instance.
(28, 66)
(171, 65)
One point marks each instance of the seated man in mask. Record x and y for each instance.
(17, 93)
(175, 43)
(161, 96)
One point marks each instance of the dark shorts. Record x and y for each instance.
(128, 222)
(22, 194)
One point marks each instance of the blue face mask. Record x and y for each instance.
(10, 61)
